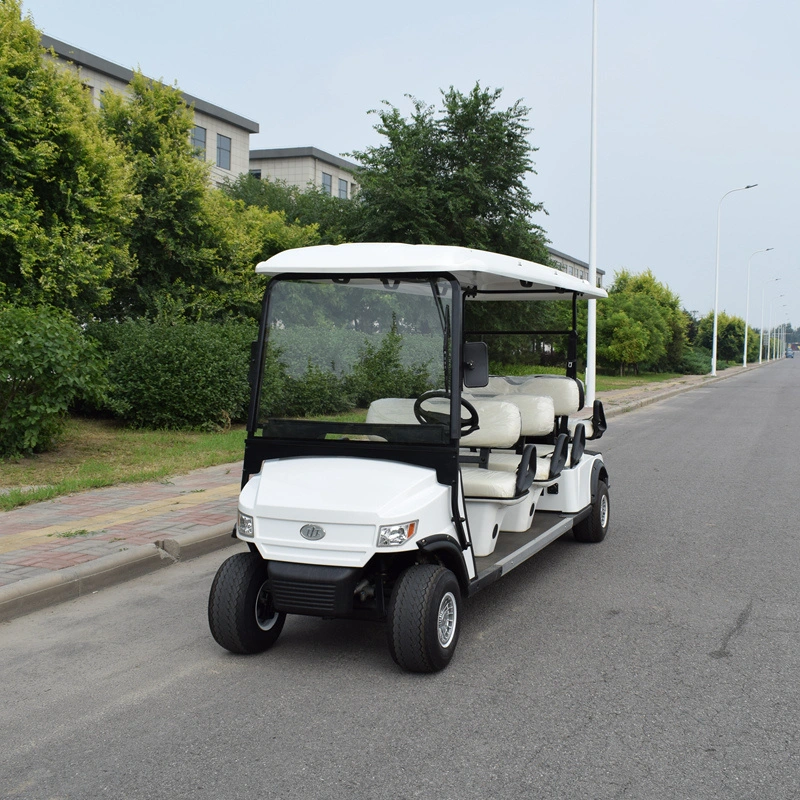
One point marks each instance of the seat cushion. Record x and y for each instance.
(509, 462)
(488, 483)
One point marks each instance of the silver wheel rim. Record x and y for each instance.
(266, 615)
(604, 511)
(446, 620)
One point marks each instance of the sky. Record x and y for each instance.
(695, 98)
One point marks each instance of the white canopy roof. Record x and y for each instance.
(489, 272)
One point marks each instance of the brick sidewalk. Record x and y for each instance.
(43, 537)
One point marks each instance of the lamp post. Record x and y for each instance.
(761, 334)
(747, 305)
(716, 279)
(769, 340)
(591, 311)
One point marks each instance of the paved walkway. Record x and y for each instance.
(65, 547)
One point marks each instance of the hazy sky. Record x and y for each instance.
(696, 97)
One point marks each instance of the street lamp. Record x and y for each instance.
(769, 341)
(591, 311)
(761, 334)
(747, 306)
(716, 279)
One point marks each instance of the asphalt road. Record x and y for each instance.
(662, 663)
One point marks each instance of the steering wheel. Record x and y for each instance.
(425, 416)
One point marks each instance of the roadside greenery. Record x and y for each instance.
(127, 286)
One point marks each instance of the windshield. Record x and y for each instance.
(349, 356)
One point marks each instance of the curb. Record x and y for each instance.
(33, 594)
(658, 396)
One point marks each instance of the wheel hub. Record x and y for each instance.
(446, 620)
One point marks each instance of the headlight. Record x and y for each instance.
(396, 535)
(245, 527)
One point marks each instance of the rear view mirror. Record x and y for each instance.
(476, 364)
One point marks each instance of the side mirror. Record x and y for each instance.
(476, 364)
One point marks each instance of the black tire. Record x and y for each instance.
(424, 618)
(594, 528)
(240, 612)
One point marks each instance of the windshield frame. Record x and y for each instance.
(307, 430)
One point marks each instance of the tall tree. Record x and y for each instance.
(171, 238)
(456, 177)
(65, 192)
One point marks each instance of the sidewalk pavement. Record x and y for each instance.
(74, 545)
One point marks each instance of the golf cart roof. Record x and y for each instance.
(503, 277)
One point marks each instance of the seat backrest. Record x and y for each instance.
(500, 422)
(567, 393)
(500, 425)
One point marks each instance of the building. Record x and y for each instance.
(573, 266)
(301, 166)
(222, 136)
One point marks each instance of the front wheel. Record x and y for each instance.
(594, 528)
(240, 611)
(424, 618)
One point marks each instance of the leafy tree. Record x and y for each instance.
(730, 337)
(170, 238)
(456, 178)
(630, 331)
(336, 219)
(668, 307)
(65, 193)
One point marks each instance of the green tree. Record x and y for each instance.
(630, 331)
(171, 238)
(668, 307)
(65, 192)
(337, 220)
(452, 178)
(730, 337)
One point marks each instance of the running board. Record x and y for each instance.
(513, 549)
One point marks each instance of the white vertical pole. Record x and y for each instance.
(591, 318)
(747, 306)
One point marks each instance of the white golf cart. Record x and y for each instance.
(443, 481)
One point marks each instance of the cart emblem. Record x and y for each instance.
(312, 532)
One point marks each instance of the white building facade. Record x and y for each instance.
(304, 166)
(220, 136)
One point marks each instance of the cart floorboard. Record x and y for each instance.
(514, 548)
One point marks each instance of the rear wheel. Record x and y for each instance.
(593, 529)
(240, 611)
(424, 618)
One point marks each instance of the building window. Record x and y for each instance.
(256, 173)
(342, 189)
(223, 151)
(198, 142)
(327, 183)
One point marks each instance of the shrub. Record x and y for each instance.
(696, 361)
(45, 364)
(185, 375)
(380, 373)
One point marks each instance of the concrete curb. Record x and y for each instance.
(33, 594)
(658, 396)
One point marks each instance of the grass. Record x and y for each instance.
(96, 453)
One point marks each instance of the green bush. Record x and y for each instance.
(177, 376)
(696, 361)
(381, 373)
(45, 364)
